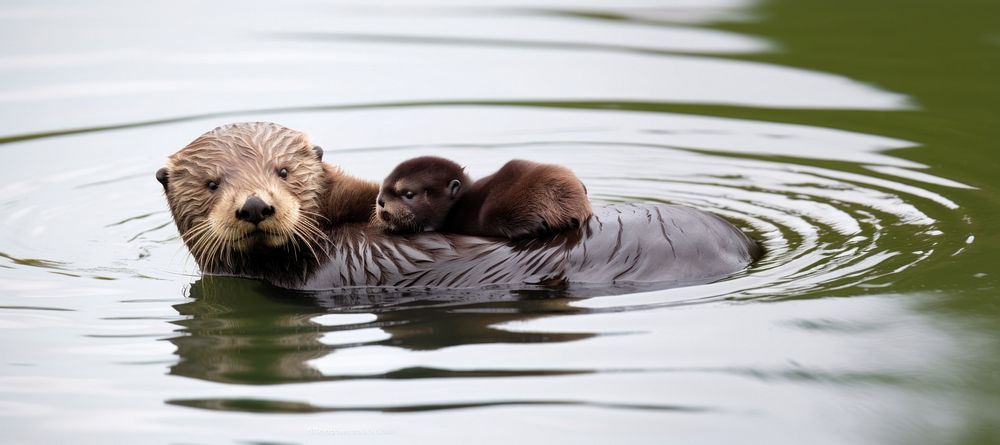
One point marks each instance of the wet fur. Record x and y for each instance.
(243, 160)
(628, 243)
(430, 179)
(521, 199)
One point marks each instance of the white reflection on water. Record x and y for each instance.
(821, 226)
(292, 56)
(100, 335)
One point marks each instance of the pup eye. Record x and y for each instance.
(409, 195)
(213, 186)
(283, 173)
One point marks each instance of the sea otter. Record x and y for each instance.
(256, 200)
(256, 188)
(521, 199)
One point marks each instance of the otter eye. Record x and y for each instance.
(283, 173)
(213, 186)
(409, 195)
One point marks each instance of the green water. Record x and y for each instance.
(946, 56)
(855, 139)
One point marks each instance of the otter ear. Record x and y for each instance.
(319, 152)
(454, 187)
(161, 175)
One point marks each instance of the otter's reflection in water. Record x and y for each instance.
(246, 332)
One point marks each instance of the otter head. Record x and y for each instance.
(418, 194)
(245, 188)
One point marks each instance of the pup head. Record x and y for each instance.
(418, 194)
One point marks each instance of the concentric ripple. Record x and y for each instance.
(820, 200)
(101, 306)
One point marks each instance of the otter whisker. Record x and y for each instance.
(301, 230)
(223, 255)
(197, 231)
(207, 250)
(295, 241)
(310, 226)
(313, 228)
(214, 249)
(203, 254)
(294, 244)
(201, 236)
(200, 228)
(314, 214)
(201, 241)
(217, 249)
(226, 255)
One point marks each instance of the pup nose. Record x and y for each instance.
(381, 202)
(254, 211)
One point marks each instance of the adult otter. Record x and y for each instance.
(522, 198)
(245, 190)
(255, 200)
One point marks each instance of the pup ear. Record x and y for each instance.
(454, 187)
(161, 175)
(319, 152)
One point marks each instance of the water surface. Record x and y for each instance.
(856, 141)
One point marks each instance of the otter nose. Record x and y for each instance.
(381, 202)
(254, 210)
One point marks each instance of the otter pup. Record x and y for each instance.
(521, 199)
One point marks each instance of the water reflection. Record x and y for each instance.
(283, 406)
(245, 332)
(236, 332)
(781, 122)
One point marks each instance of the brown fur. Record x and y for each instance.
(346, 198)
(244, 161)
(432, 181)
(521, 199)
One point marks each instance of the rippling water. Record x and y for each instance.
(872, 319)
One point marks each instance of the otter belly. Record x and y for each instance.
(658, 246)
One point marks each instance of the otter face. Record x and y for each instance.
(418, 195)
(245, 187)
